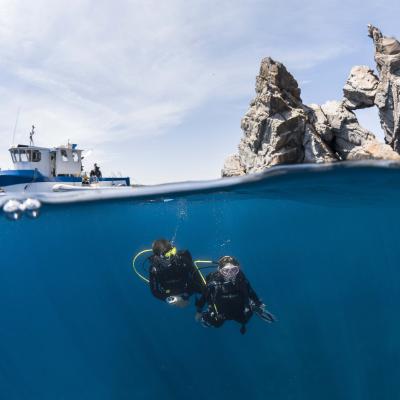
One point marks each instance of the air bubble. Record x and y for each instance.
(32, 207)
(13, 209)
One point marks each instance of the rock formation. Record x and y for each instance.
(360, 88)
(279, 129)
(387, 99)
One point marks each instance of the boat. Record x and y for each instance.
(41, 169)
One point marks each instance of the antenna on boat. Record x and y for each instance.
(15, 126)
(32, 132)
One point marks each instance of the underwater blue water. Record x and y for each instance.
(320, 248)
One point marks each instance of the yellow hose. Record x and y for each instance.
(134, 267)
(198, 269)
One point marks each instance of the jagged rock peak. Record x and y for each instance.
(279, 129)
(273, 126)
(387, 99)
(275, 74)
(386, 46)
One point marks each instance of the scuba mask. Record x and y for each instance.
(229, 271)
(165, 260)
(171, 253)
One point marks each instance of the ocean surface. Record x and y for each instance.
(320, 244)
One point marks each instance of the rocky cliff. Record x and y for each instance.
(279, 129)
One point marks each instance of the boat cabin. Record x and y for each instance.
(58, 161)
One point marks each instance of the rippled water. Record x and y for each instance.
(320, 245)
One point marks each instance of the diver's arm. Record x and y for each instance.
(153, 285)
(205, 296)
(259, 307)
(251, 293)
(201, 302)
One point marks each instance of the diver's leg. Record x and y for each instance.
(243, 319)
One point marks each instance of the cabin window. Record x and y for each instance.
(64, 155)
(33, 155)
(26, 156)
(75, 156)
(23, 156)
(36, 156)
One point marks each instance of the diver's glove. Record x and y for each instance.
(261, 310)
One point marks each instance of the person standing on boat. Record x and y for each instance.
(173, 276)
(95, 174)
(96, 171)
(229, 296)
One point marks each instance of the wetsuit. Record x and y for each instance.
(175, 275)
(227, 300)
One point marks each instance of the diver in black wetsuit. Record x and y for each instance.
(173, 276)
(229, 296)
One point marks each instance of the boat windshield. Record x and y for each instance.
(25, 155)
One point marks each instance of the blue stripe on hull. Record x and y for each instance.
(16, 177)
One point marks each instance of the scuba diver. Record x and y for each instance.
(229, 296)
(173, 276)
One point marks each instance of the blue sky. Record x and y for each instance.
(157, 88)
